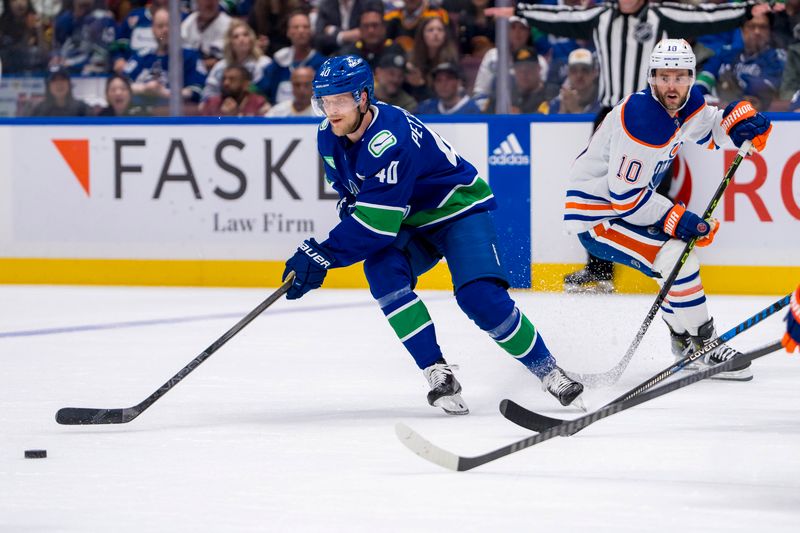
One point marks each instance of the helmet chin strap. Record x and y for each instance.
(360, 120)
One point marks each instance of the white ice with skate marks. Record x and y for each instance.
(291, 424)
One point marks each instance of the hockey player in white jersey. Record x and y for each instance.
(611, 200)
(408, 200)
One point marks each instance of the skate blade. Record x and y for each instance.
(578, 402)
(452, 405)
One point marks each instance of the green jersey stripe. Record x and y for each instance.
(380, 219)
(460, 199)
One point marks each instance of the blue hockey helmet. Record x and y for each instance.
(343, 74)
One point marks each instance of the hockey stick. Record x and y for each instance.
(612, 375)
(85, 415)
(430, 452)
(538, 422)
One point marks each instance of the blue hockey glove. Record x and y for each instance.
(742, 123)
(310, 264)
(791, 339)
(686, 225)
(346, 206)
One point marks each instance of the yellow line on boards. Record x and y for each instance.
(218, 273)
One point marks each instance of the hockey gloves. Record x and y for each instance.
(742, 122)
(791, 339)
(686, 225)
(310, 264)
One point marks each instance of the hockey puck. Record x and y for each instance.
(35, 454)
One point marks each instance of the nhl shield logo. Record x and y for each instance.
(643, 31)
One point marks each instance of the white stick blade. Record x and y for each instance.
(424, 448)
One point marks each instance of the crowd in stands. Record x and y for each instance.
(258, 57)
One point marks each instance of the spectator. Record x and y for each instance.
(528, 92)
(149, 72)
(269, 18)
(389, 76)
(475, 28)
(433, 44)
(235, 100)
(579, 92)
(449, 91)
(790, 82)
(119, 96)
(337, 24)
(556, 50)
(403, 24)
(58, 100)
(373, 43)
(204, 30)
(277, 86)
(300, 105)
(135, 33)
(786, 23)
(240, 48)
(23, 48)
(519, 36)
(752, 73)
(83, 37)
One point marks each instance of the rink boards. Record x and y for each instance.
(224, 202)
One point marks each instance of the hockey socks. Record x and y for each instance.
(484, 301)
(517, 336)
(412, 323)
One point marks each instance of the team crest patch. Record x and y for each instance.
(329, 159)
(382, 141)
(323, 124)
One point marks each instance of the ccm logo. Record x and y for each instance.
(321, 261)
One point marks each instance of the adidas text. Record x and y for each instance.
(509, 159)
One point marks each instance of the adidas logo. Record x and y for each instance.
(509, 153)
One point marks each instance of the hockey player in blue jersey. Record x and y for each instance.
(408, 200)
(612, 203)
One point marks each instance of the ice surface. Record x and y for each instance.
(290, 426)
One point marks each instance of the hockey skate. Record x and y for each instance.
(567, 391)
(445, 389)
(705, 334)
(585, 282)
(681, 344)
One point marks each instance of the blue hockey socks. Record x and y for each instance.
(487, 303)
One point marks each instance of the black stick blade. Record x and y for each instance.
(75, 416)
(526, 418)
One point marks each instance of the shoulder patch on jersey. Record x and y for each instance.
(329, 159)
(324, 124)
(381, 141)
(645, 120)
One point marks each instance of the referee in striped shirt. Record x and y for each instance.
(624, 33)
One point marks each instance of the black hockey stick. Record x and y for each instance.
(430, 452)
(85, 415)
(612, 375)
(538, 422)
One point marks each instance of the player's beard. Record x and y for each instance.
(671, 104)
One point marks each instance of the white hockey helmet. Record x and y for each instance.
(671, 53)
